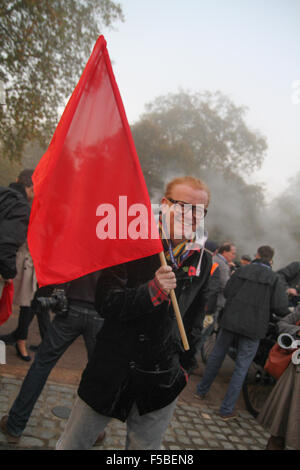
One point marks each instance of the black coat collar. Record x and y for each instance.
(20, 188)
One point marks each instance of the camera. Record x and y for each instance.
(57, 302)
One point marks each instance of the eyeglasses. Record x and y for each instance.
(181, 207)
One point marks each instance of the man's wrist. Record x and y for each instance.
(157, 295)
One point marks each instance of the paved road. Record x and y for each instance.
(195, 425)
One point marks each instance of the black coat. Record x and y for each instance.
(138, 353)
(14, 219)
(253, 292)
(290, 275)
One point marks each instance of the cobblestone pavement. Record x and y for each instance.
(193, 427)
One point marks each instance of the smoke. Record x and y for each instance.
(238, 213)
(282, 221)
(237, 216)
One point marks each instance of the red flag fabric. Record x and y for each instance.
(91, 207)
(6, 301)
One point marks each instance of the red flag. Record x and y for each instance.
(6, 301)
(91, 207)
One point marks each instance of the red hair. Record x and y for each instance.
(194, 183)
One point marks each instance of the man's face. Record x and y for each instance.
(30, 193)
(184, 218)
(244, 262)
(230, 255)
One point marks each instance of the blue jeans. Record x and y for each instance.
(247, 349)
(61, 333)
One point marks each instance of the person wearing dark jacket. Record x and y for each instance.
(290, 276)
(15, 258)
(252, 293)
(14, 219)
(136, 373)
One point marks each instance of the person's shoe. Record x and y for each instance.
(10, 438)
(20, 355)
(8, 339)
(227, 417)
(275, 443)
(100, 439)
(200, 397)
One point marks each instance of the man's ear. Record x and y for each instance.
(164, 206)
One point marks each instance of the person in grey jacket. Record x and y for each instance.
(252, 293)
(225, 256)
(281, 411)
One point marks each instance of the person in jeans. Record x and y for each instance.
(252, 293)
(80, 319)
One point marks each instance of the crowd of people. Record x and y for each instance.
(125, 315)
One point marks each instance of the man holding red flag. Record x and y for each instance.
(90, 155)
(135, 373)
(90, 166)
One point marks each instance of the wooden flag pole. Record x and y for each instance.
(176, 308)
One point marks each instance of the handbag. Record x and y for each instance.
(6, 301)
(278, 360)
